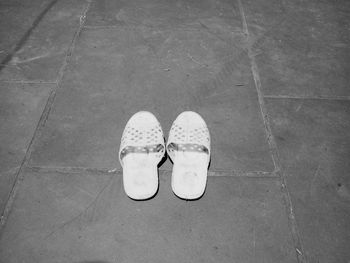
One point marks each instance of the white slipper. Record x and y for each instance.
(188, 146)
(141, 149)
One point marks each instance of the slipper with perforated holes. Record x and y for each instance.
(188, 146)
(142, 147)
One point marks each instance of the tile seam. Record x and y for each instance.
(299, 251)
(18, 174)
(28, 82)
(71, 48)
(106, 171)
(194, 27)
(345, 98)
(41, 123)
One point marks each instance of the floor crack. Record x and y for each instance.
(43, 118)
(81, 213)
(271, 142)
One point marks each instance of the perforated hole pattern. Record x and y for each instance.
(144, 137)
(198, 135)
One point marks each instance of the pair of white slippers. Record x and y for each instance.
(143, 147)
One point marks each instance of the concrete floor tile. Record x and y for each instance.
(117, 72)
(165, 14)
(302, 49)
(313, 141)
(21, 106)
(40, 39)
(13, 27)
(85, 217)
(166, 57)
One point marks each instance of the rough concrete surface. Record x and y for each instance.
(269, 77)
(80, 217)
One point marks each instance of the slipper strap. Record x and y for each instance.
(155, 148)
(187, 147)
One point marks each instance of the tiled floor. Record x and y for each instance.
(269, 77)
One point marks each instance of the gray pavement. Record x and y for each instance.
(269, 77)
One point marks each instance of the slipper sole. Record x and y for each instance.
(140, 172)
(190, 170)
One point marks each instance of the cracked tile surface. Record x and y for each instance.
(302, 50)
(313, 142)
(82, 217)
(38, 44)
(243, 65)
(21, 106)
(117, 72)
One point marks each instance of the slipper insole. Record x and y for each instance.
(189, 174)
(140, 175)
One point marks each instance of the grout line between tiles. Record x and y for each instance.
(71, 170)
(301, 257)
(72, 46)
(307, 97)
(18, 175)
(41, 123)
(188, 28)
(28, 82)
(106, 171)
